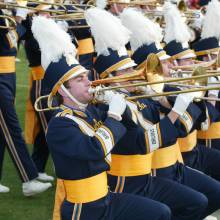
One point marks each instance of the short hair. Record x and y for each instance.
(58, 96)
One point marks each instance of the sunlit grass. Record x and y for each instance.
(13, 205)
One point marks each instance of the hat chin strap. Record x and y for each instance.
(81, 105)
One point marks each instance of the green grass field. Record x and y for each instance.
(13, 205)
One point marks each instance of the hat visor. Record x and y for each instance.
(164, 57)
(187, 56)
(74, 74)
(78, 72)
(127, 65)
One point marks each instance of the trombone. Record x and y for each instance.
(11, 22)
(181, 92)
(172, 93)
(198, 77)
(210, 64)
(77, 16)
(21, 5)
(136, 3)
(186, 14)
(69, 17)
(152, 66)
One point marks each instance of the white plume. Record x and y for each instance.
(107, 30)
(143, 30)
(175, 28)
(211, 22)
(53, 41)
(101, 3)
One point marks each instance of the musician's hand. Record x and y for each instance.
(147, 90)
(117, 106)
(182, 102)
(104, 96)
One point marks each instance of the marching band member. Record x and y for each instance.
(35, 122)
(84, 41)
(207, 49)
(177, 48)
(11, 134)
(162, 164)
(196, 155)
(81, 163)
(132, 156)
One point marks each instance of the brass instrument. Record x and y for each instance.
(190, 15)
(80, 7)
(77, 16)
(180, 92)
(36, 9)
(198, 81)
(136, 3)
(210, 66)
(11, 22)
(199, 77)
(69, 17)
(172, 93)
(152, 68)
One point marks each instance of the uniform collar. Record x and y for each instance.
(74, 110)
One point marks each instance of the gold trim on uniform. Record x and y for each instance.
(212, 133)
(85, 46)
(7, 64)
(130, 165)
(166, 156)
(187, 143)
(86, 190)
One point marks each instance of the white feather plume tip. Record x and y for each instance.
(175, 28)
(143, 30)
(211, 27)
(107, 30)
(101, 3)
(53, 41)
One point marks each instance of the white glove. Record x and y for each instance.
(213, 80)
(102, 96)
(149, 91)
(145, 89)
(105, 96)
(23, 12)
(117, 106)
(182, 102)
(63, 25)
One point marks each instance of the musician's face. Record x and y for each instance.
(183, 62)
(166, 67)
(79, 88)
(209, 57)
(117, 8)
(126, 71)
